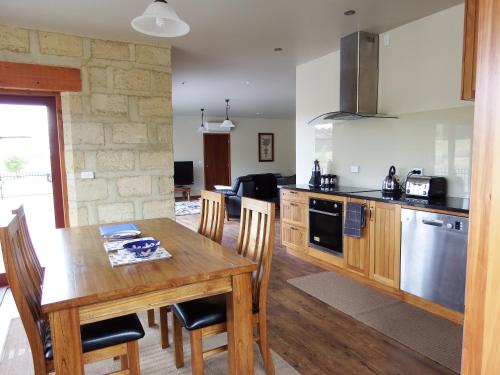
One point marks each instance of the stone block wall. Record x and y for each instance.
(119, 125)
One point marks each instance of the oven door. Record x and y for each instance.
(325, 231)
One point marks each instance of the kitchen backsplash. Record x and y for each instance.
(439, 141)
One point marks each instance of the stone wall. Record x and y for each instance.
(119, 125)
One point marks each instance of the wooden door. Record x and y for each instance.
(481, 352)
(56, 143)
(217, 159)
(357, 250)
(385, 243)
(293, 236)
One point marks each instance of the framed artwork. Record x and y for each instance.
(266, 147)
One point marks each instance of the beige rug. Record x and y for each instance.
(435, 337)
(16, 357)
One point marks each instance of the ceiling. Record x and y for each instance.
(229, 52)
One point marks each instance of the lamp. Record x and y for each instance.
(202, 128)
(160, 19)
(227, 123)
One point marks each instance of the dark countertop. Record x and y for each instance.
(451, 204)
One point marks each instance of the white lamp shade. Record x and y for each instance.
(227, 124)
(159, 19)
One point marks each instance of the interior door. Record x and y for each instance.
(217, 159)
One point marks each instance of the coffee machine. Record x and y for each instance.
(315, 180)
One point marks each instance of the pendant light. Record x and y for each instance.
(227, 123)
(160, 19)
(202, 127)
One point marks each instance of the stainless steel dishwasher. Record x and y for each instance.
(434, 256)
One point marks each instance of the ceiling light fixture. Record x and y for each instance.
(349, 12)
(202, 127)
(160, 19)
(227, 123)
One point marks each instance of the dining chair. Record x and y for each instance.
(117, 337)
(35, 268)
(207, 317)
(211, 225)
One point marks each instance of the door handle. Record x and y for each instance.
(323, 212)
(434, 223)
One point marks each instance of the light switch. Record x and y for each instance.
(87, 175)
(354, 168)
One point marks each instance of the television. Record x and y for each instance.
(183, 173)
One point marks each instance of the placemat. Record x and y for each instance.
(123, 257)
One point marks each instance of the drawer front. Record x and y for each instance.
(294, 213)
(292, 236)
(294, 196)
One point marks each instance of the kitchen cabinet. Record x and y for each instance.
(385, 243)
(469, 54)
(294, 213)
(293, 237)
(357, 250)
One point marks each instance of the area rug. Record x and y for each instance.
(16, 357)
(187, 207)
(434, 337)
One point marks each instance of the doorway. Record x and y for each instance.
(217, 159)
(30, 162)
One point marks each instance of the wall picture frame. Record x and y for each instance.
(266, 147)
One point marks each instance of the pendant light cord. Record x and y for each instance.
(227, 109)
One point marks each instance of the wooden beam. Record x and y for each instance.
(481, 352)
(39, 77)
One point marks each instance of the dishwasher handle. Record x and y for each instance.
(434, 223)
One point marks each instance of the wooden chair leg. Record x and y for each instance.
(151, 318)
(196, 352)
(134, 365)
(164, 327)
(124, 362)
(264, 346)
(178, 347)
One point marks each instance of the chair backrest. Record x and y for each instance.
(212, 215)
(23, 288)
(256, 242)
(27, 246)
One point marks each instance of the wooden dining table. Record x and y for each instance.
(80, 286)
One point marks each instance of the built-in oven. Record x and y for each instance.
(325, 225)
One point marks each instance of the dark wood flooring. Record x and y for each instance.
(316, 338)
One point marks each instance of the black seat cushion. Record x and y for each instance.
(104, 334)
(203, 312)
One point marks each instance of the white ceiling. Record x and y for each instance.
(229, 51)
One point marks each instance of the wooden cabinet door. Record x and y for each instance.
(294, 213)
(469, 54)
(385, 243)
(294, 237)
(357, 250)
(293, 195)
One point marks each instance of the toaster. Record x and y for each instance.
(426, 187)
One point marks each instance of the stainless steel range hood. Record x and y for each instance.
(358, 79)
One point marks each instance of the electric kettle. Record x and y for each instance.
(390, 185)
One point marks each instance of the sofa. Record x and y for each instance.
(262, 186)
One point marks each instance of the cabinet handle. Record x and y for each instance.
(293, 228)
(294, 204)
(372, 218)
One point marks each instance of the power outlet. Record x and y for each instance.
(419, 171)
(354, 168)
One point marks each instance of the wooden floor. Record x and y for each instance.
(314, 337)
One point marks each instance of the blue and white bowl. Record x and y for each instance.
(142, 248)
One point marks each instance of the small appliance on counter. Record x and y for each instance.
(328, 181)
(426, 187)
(315, 180)
(390, 185)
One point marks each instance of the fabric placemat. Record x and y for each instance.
(123, 257)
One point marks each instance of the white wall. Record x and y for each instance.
(188, 145)
(420, 75)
